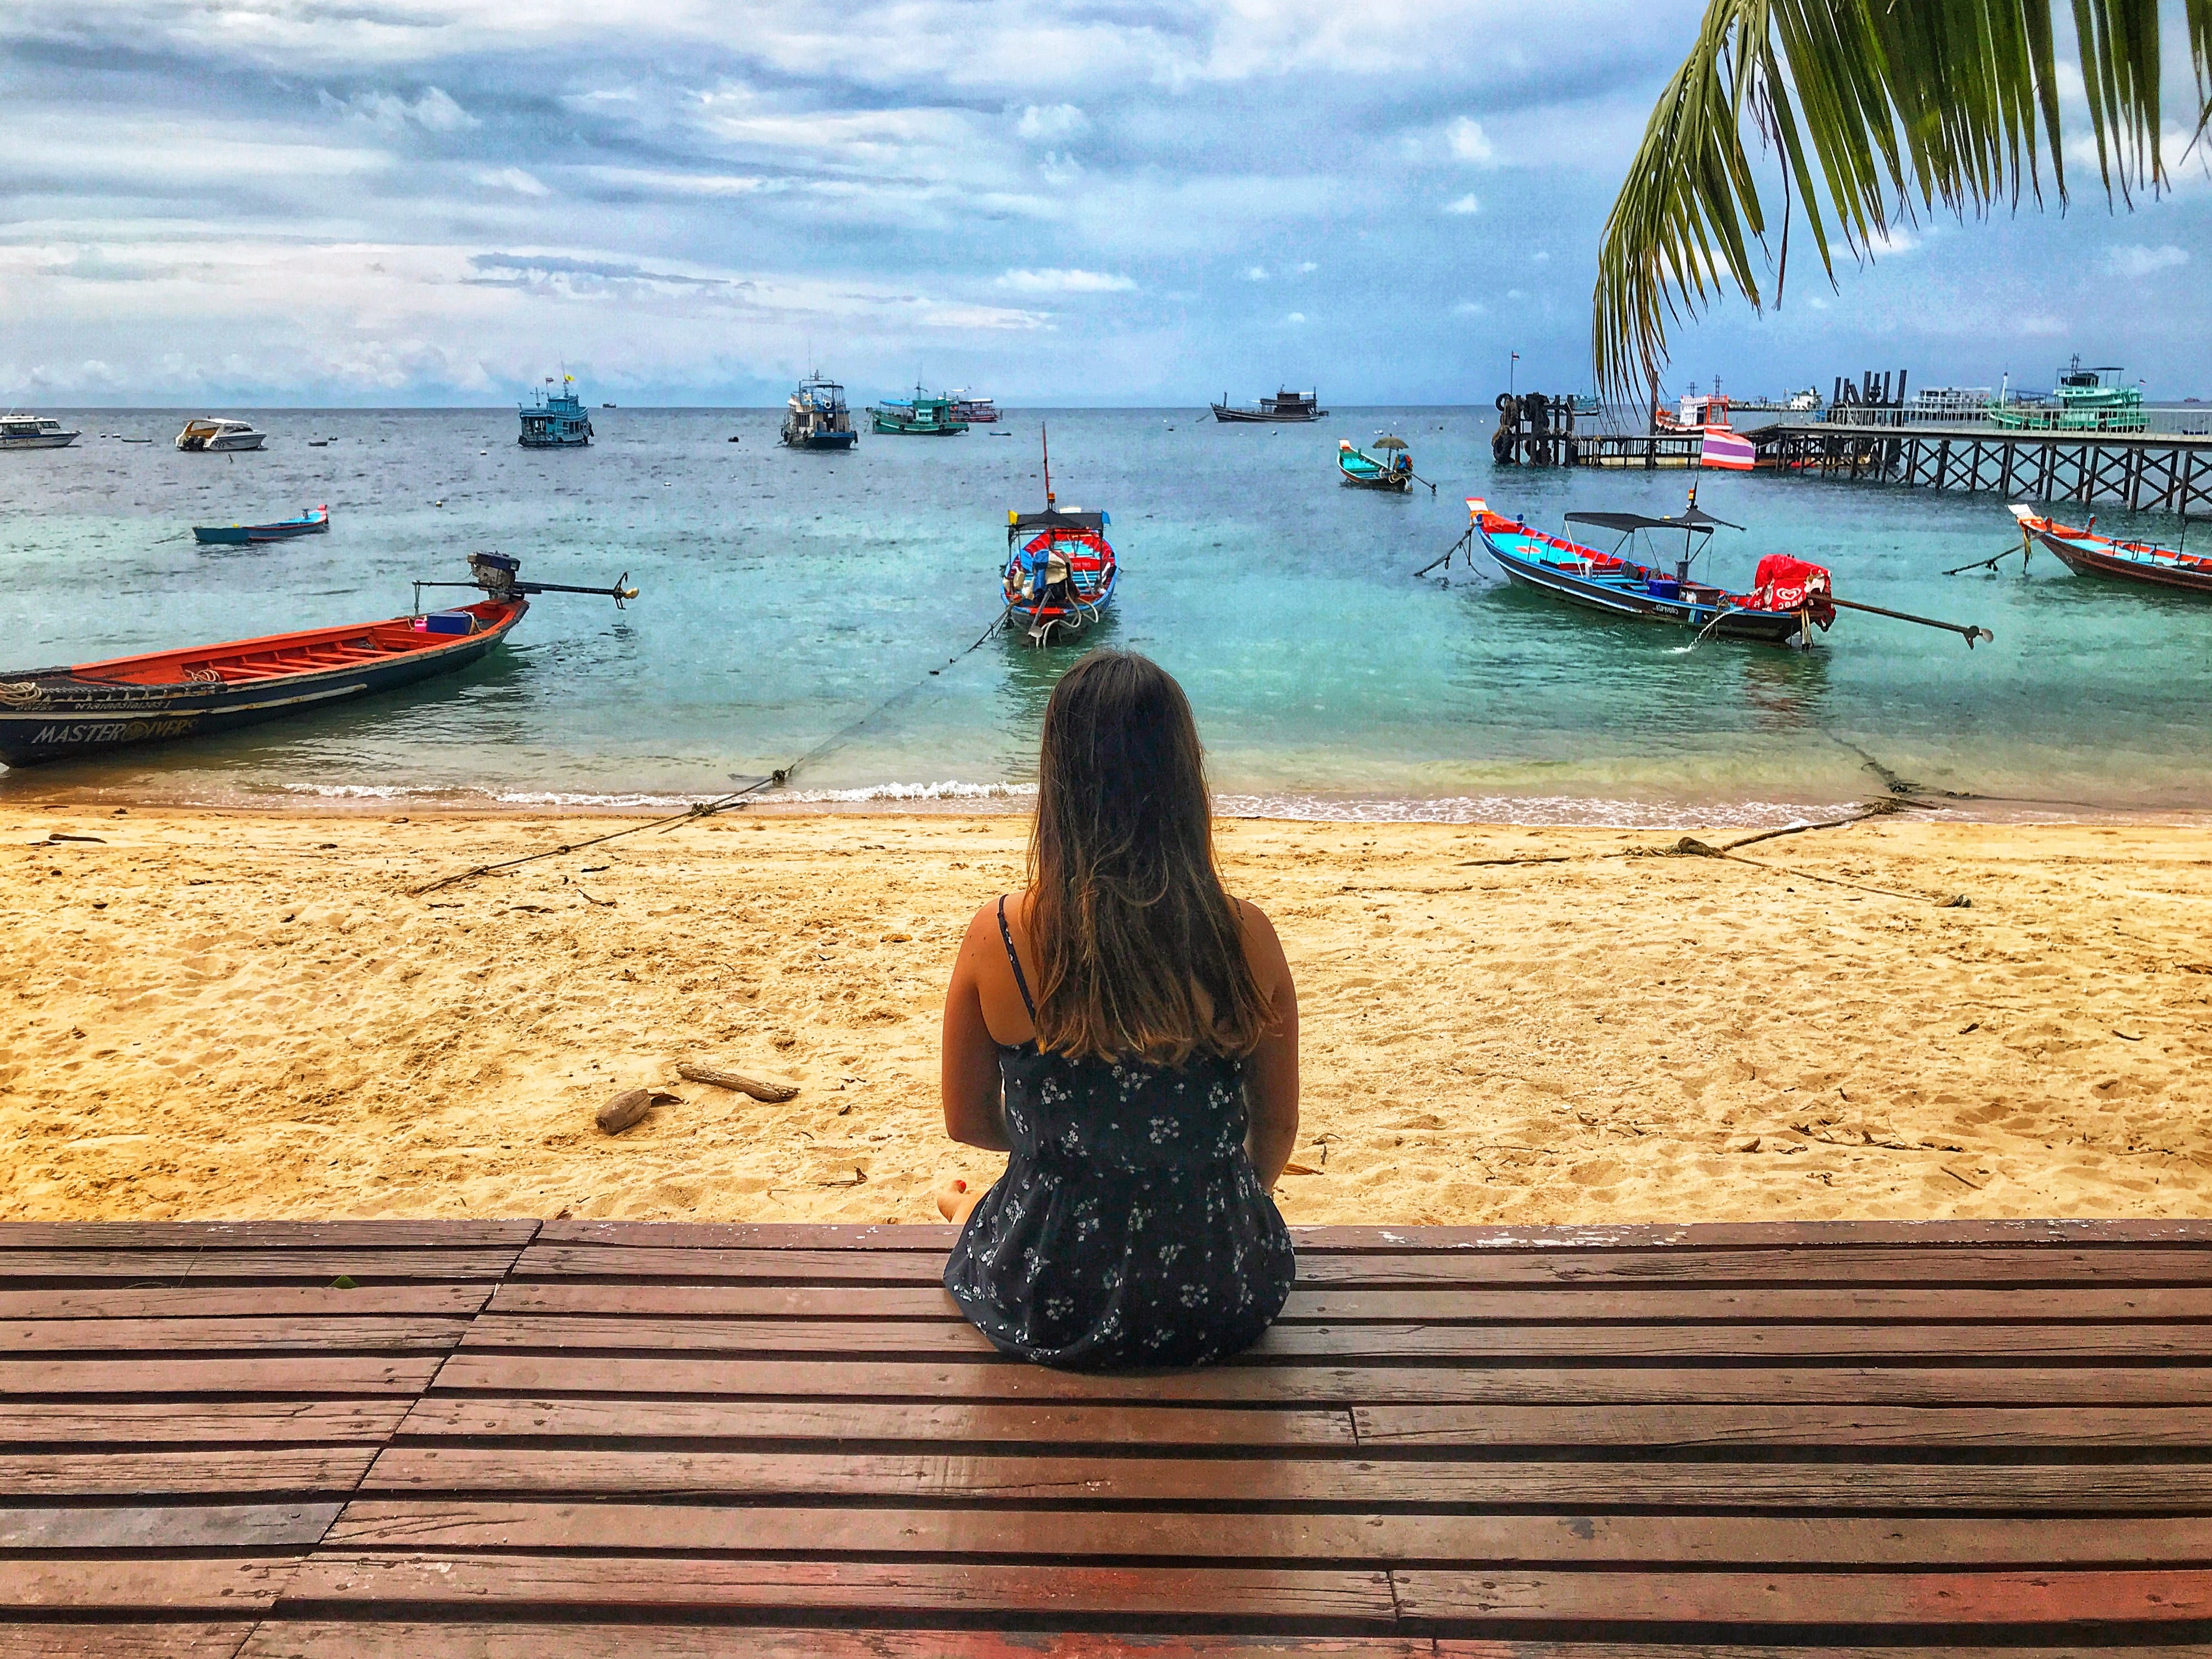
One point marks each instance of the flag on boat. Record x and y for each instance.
(1729, 450)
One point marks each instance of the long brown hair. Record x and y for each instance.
(1139, 951)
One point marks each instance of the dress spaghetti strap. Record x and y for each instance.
(1014, 960)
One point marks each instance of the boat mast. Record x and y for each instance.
(1044, 440)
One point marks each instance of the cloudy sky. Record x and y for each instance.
(399, 201)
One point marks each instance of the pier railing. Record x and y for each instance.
(2169, 470)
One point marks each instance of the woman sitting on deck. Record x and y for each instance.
(1129, 1033)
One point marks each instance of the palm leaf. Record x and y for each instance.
(1874, 112)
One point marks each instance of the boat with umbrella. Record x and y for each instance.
(1061, 571)
(2092, 555)
(1390, 468)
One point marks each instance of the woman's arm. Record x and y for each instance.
(1271, 1074)
(974, 1106)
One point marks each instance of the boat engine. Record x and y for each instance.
(495, 573)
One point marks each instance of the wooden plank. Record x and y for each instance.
(1491, 1344)
(1530, 1304)
(2080, 1488)
(1317, 1600)
(219, 1584)
(278, 1469)
(468, 1417)
(1391, 1538)
(174, 1268)
(275, 1374)
(256, 1301)
(259, 1235)
(1844, 1426)
(933, 1238)
(495, 1371)
(110, 1640)
(346, 1335)
(376, 1639)
(168, 1527)
(1430, 1598)
(89, 1423)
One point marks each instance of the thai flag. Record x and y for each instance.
(1729, 450)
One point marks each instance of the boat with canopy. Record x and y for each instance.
(2092, 555)
(1060, 572)
(1391, 468)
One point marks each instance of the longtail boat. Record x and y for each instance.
(1391, 470)
(314, 522)
(2101, 556)
(1060, 572)
(52, 713)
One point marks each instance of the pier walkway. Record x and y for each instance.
(588, 1440)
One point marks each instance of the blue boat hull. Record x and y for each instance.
(839, 441)
(244, 535)
(1623, 595)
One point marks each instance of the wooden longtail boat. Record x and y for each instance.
(313, 523)
(1061, 571)
(2101, 556)
(1285, 406)
(53, 714)
(1393, 469)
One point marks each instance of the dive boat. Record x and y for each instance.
(925, 415)
(35, 432)
(1061, 571)
(557, 420)
(1391, 470)
(2100, 556)
(211, 436)
(53, 714)
(976, 412)
(816, 417)
(314, 522)
(1285, 405)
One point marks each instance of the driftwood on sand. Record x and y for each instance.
(759, 1089)
(626, 1107)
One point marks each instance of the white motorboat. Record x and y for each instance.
(35, 432)
(203, 433)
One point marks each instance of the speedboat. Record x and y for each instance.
(35, 432)
(209, 433)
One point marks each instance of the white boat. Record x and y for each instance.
(35, 432)
(203, 433)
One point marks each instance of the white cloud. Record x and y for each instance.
(1307, 267)
(433, 111)
(1465, 204)
(1542, 255)
(1256, 274)
(2133, 259)
(1066, 281)
(2041, 326)
(1052, 121)
(1296, 317)
(1470, 308)
(514, 178)
(1468, 142)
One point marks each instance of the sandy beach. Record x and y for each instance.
(220, 1014)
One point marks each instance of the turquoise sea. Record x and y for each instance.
(786, 596)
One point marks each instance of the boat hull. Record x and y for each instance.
(242, 535)
(1255, 417)
(67, 713)
(1370, 477)
(43, 440)
(582, 442)
(825, 440)
(927, 429)
(1615, 598)
(2089, 556)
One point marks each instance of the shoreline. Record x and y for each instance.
(257, 1013)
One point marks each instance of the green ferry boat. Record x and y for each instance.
(925, 415)
(2083, 401)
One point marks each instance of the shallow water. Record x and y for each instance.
(786, 596)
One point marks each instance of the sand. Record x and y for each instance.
(245, 1014)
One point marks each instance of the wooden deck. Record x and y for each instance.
(572, 1440)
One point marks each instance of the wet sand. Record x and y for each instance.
(226, 1014)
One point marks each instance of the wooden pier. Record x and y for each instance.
(584, 1440)
(2172, 471)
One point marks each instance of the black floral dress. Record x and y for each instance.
(1130, 1229)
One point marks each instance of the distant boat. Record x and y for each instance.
(211, 436)
(925, 415)
(976, 412)
(816, 417)
(35, 432)
(2100, 556)
(556, 421)
(1060, 570)
(315, 523)
(2083, 401)
(1285, 405)
(607, 405)
(1391, 470)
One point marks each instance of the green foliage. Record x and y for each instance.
(1877, 110)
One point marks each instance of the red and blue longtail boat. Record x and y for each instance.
(2101, 556)
(1061, 571)
(54, 714)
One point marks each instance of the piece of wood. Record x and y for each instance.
(715, 1077)
(108, 1639)
(641, 1262)
(220, 1302)
(466, 1417)
(262, 1235)
(175, 1269)
(843, 1302)
(1317, 1599)
(83, 1423)
(1380, 1538)
(646, 1375)
(934, 1237)
(229, 1585)
(148, 1473)
(630, 1107)
(168, 1527)
(2126, 1488)
(1844, 1427)
(364, 1334)
(275, 1374)
(377, 1639)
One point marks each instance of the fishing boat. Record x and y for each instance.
(1285, 405)
(2083, 401)
(35, 432)
(1061, 571)
(314, 522)
(556, 420)
(209, 437)
(2101, 556)
(1393, 468)
(925, 415)
(976, 412)
(816, 417)
(53, 713)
